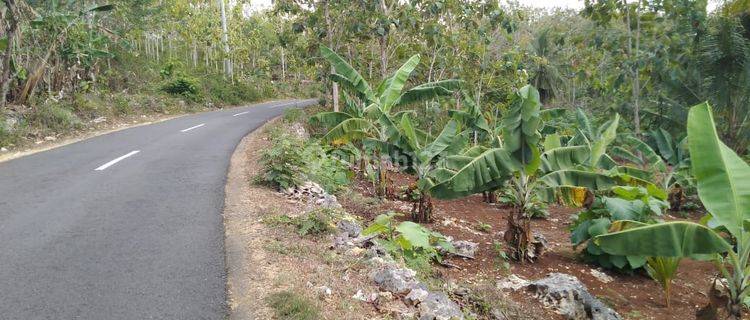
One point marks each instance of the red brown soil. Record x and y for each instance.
(634, 296)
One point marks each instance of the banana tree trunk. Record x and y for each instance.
(518, 235)
(421, 211)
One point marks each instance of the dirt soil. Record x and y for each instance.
(634, 296)
(263, 259)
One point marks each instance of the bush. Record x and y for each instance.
(183, 86)
(291, 161)
(293, 115)
(55, 117)
(316, 222)
(631, 203)
(283, 163)
(290, 305)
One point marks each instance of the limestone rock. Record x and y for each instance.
(416, 296)
(396, 280)
(512, 283)
(569, 297)
(437, 306)
(466, 248)
(351, 228)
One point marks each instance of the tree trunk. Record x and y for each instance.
(329, 34)
(225, 41)
(421, 211)
(10, 36)
(518, 236)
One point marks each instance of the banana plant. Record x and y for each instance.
(449, 141)
(723, 183)
(558, 173)
(368, 118)
(665, 158)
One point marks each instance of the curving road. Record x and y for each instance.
(125, 225)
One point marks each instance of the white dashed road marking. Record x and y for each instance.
(241, 113)
(193, 127)
(111, 163)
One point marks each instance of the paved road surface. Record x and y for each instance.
(125, 225)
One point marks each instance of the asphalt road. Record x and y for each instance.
(125, 225)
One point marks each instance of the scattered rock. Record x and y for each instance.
(361, 296)
(383, 296)
(601, 276)
(313, 193)
(50, 138)
(396, 309)
(3, 149)
(355, 251)
(299, 131)
(512, 283)
(465, 248)
(437, 306)
(323, 291)
(537, 247)
(569, 297)
(396, 280)
(416, 296)
(497, 314)
(351, 228)
(99, 120)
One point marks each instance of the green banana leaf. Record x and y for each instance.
(346, 71)
(599, 147)
(428, 91)
(486, 172)
(349, 130)
(396, 83)
(409, 133)
(444, 140)
(723, 178)
(330, 119)
(670, 239)
(564, 158)
(521, 125)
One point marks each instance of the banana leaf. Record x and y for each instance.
(485, 172)
(346, 71)
(670, 239)
(392, 91)
(723, 177)
(428, 91)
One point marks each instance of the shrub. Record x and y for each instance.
(283, 163)
(293, 115)
(416, 244)
(631, 203)
(183, 86)
(290, 305)
(316, 222)
(55, 117)
(291, 161)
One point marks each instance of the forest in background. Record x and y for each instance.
(65, 62)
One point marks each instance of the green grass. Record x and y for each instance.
(289, 305)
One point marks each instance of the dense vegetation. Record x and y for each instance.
(626, 110)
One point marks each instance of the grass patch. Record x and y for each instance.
(293, 306)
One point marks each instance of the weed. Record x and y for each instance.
(293, 306)
(501, 258)
(483, 227)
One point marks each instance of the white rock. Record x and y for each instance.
(512, 283)
(416, 296)
(50, 138)
(601, 276)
